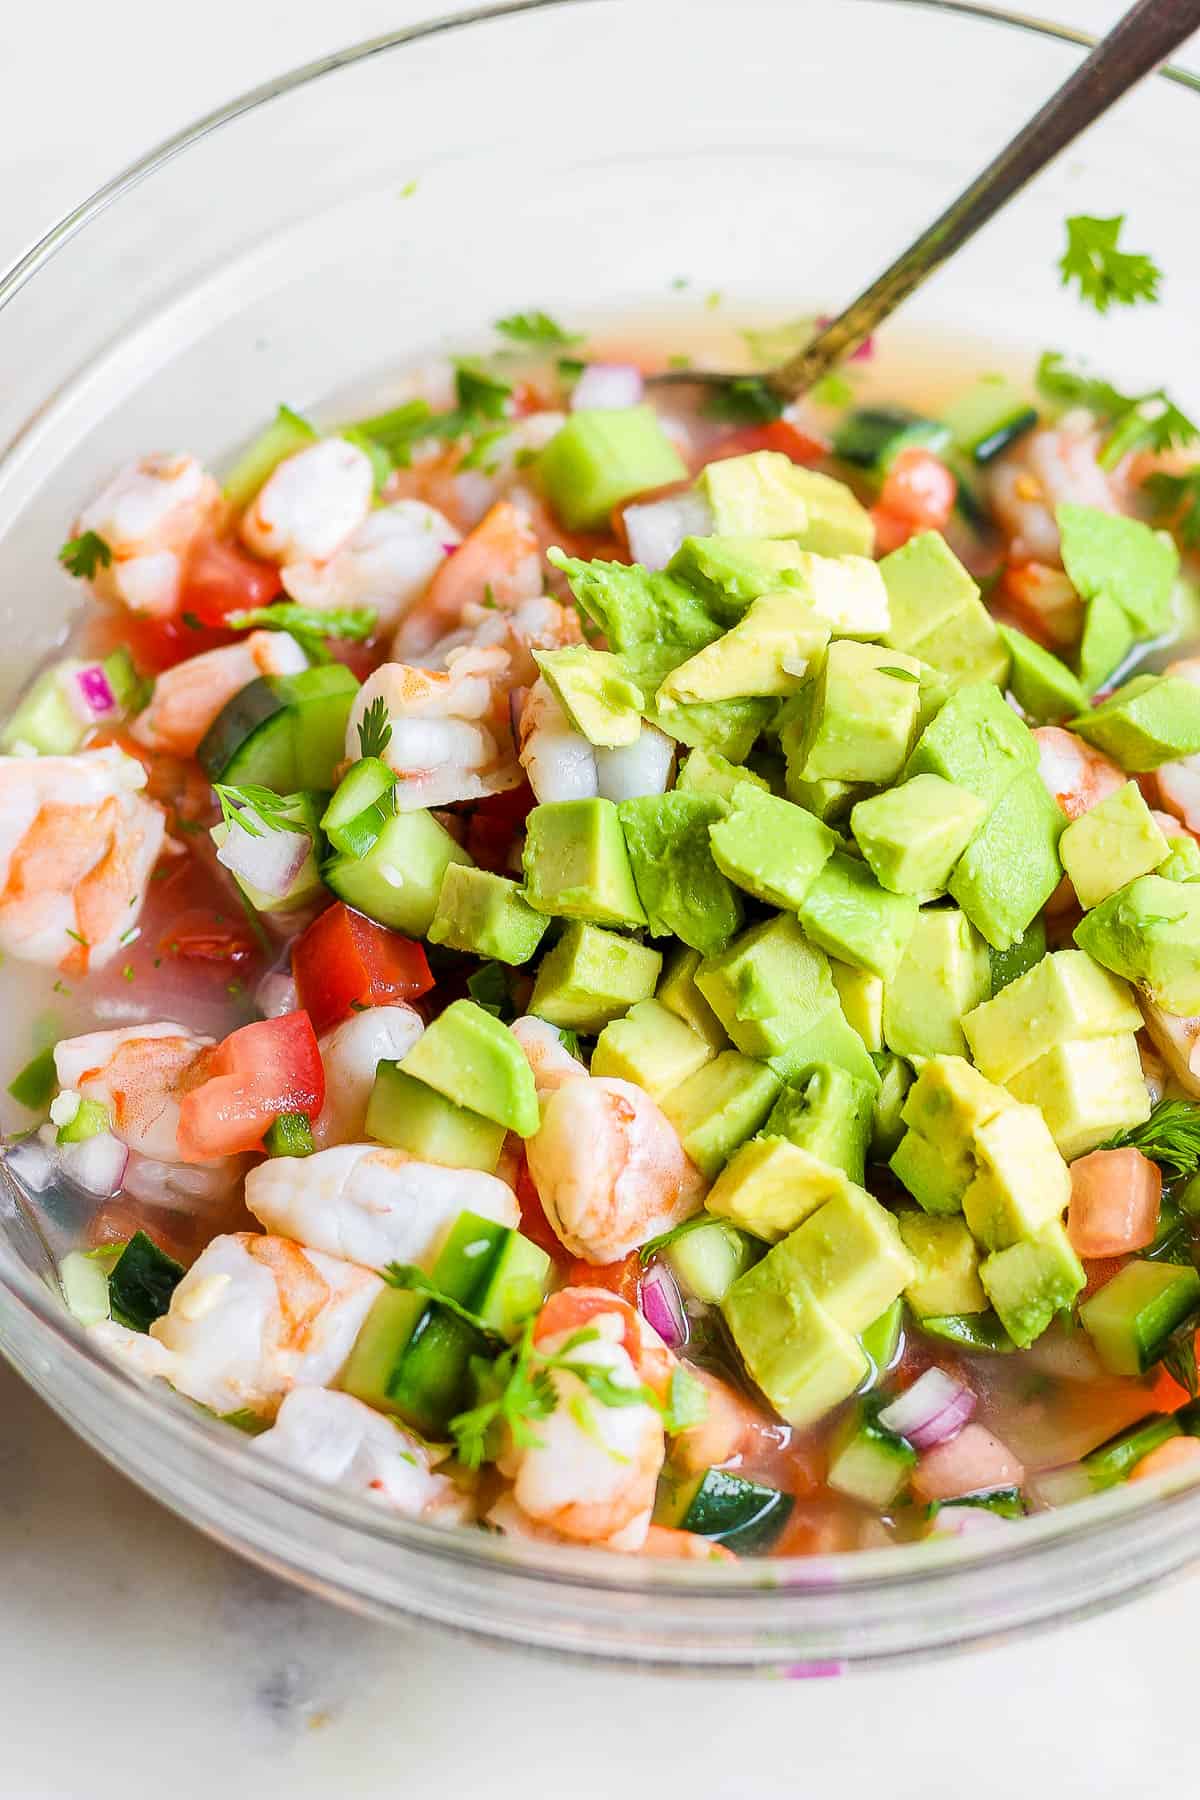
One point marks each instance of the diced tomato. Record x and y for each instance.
(623, 1278)
(1115, 1199)
(800, 446)
(1099, 1273)
(271, 1067)
(494, 824)
(1168, 1395)
(967, 1464)
(918, 494)
(345, 960)
(221, 578)
(534, 1223)
(204, 934)
(1043, 602)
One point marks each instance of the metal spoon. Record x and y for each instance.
(1142, 39)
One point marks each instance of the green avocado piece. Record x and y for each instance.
(719, 1107)
(976, 741)
(576, 864)
(1105, 642)
(887, 1125)
(944, 973)
(913, 835)
(704, 772)
(1044, 687)
(1182, 861)
(767, 653)
(1030, 1282)
(830, 1039)
(1011, 866)
(595, 692)
(476, 1061)
(1062, 997)
(947, 1277)
(1106, 553)
(861, 715)
(769, 987)
(936, 1175)
(1148, 721)
(407, 1114)
(950, 1101)
(826, 800)
(936, 612)
(1028, 949)
(485, 914)
(679, 994)
(770, 1185)
(852, 1256)
(591, 976)
(398, 880)
(1112, 844)
(967, 648)
(828, 1114)
(732, 571)
(636, 607)
(651, 1047)
(600, 458)
(1149, 932)
(684, 892)
(1021, 1182)
(861, 995)
(797, 1354)
(772, 849)
(1087, 1089)
(765, 494)
(850, 916)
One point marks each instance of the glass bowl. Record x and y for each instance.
(585, 156)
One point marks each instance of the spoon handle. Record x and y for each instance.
(1143, 38)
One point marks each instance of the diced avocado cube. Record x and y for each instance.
(944, 973)
(485, 914)
(913, 835)
(976, 741)
(493, 1271)
(1106, 553)
(967, 648)
(1009, 964)
(826, 800)
(852, 1256)
(709, 1258)
(765, 494)
(766, 653)
(1043, 686)
(950, 1099)
(862, 715)
(1146, 722)
(927, 586)
(947, 1277)
(1111, 844)
(732, 571)
(829, 1115)
(1065, 995)
(720, 1106)
(1131, 1317)
(861, 995)
(1022, 1183)
(682, 889)
(730, 727)
(851, 917)
(1149, 932)
(769, 847)
(642, 610)
(802, 1359)
(866, 1461)
(1182, 861)
(399, 878)
(576, 864)
(1031, 1281)
(474, 1060)
(769, 987)
(1105, 642)
(936, 1175)
(595, 692)
(1011, 867)
(600, 458)
(408, 1114)
(591, 976)
(887, 1124)
(828, 1041)
(769, 1186)
(679, 994)
(705, 772)
(845, 592)
(412, 1359)
(651, 1047)
(1087, 1090)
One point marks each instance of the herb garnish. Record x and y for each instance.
(1106, 274)
(252, 807)
(537, 329)
(1170, 1137)
(1176, 500)
(1149, 421)
(83, 555)
(355, 623)
(374, 729)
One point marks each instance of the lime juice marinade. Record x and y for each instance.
(668, 933)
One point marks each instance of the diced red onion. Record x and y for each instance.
(89, 693)
(449, 549)
(607, 387)
(276, 994)
(930, 1411)
(96, 1164)
(270, 862)
(662, 1307)
(656, 530)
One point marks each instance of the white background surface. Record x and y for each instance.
(136, 1658)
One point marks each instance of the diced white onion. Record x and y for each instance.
(607, 387)
(270, 862)
(96, 1164)
(656, 529)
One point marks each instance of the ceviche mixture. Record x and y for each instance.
(621, 963)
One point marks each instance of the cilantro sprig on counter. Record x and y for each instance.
(81, 556)
(1147, 421)
(1106, 274)
(1169, 1137)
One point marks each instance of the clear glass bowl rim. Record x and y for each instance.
(227, 1452)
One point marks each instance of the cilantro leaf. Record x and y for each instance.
(480, 393)
(395, 432)
(409, 1277)
(1169, 1137)
(655, 1244)
(537, 329)
(1149, 421)
(1106, 274)
(1176, 501)
(489, 988)
(82, 556)
(252, 807)
(374, 729)
(355, 623)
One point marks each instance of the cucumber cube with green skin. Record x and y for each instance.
(285, 436)
(852, 1256)
(887, 1125)
(988, 417)
(1030, 1281)
(678, 992)
(764, 654)
(829, 1115)
(652, 1048)
(705, 772)
(769, 987)
(283, 732)
(600, 458)
(290, 1134)
(873, 436)
(746, 1516)
(868, 1462)
(862, 715)
(861, 995)
(1146, 722)
(576, 864)
(299, 813)
(1087, 1090)
(830, 1040)
(1043, 686)
(399, 879)
(881, 1339)
(979, 1332)
(947, 1278)
(769, 1186)
(1182, 861)
(1011, 866)
(1106, 641)
(89, 1119)
(679, 884)
(1149, 932)
(851, 917)
(769, 847)
(474, 1060)
(1022, 1183)
(913, 835)
(1009, 964)
(707, 1260)
(408, 1114)
(494, 1272)
(412, 1358)
(802, 1359)
(594, 690)
(720, 1106)
(362, 803)
(1111, 844)
(1106, 553)
(1113, 1461)
(975, 741)
(47, 722)
(1131, 1317)
(1064, 996)
(487, 915)
(944, 973)
(591, 976)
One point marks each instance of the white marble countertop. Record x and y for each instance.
(136, 1657)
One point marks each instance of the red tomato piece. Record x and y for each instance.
(918, 494)
(778, 435)
(494, 824)
(623, 1278)
(346, 960)
(202, 934)
(221, 578)
(534, 1223)
(271, 1067)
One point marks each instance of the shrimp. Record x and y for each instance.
(450, 733)
(1077, 776)
(386, 564)
(150, 515)
(1179, 781)
(729, 1423)
(541, 623)
(546, 1054)
(311, 504)
(562, 765)
(499, 560)
(609, 1169)
(351, 1053)
(337, 1440)
(1057, 463)
(1044, 602)
(644, 767)
(77, 844)
(1178, 1040)
(465, 494)
(140, 1073)
(372, 1206)
(188, 697)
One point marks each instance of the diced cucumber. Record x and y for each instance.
(142, 1282)
(361, 806)
(88, 1120)
(34, 1085)
(708, 1260)
(873, 436)
(1131, 1317)
(284, 436)
(1111, 1462)
(598, 459)
(407, 1114)
(412, 1358)
(289, 1135)
(981, 1332)
(84, 1281)
(399, 878)
(494, 1272)
(300, 813)
(46, 721)
(1006, 1503)
(868, 1462)
(1007, 965)
(988, 417)
(731, 1510)
(283, 732)
(881, 1339)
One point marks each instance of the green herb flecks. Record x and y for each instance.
(81, 556)
(255, 809)
(748, 400)
(1107, 275)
